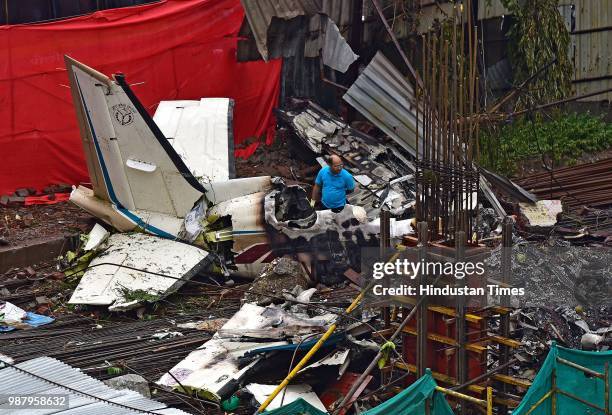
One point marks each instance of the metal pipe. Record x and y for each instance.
(376, 358)
(581, 368)
(312, 351)
(582, 401)
(396, 43)
(459, 395)
(563, 101)
(422, 306)
(539, 402)
(484, 375)
(460, 326)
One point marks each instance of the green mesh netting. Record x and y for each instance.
(574, 381)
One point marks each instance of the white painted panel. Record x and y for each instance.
(290, 394)
(200, 132)
(105, 284)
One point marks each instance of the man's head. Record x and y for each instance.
(335, 164)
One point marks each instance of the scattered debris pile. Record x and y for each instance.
(384, 174)
(279, 278)
(240, 347)
(30, 196)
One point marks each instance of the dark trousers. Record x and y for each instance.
(319, 205)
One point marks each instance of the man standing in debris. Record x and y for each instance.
(333, 183)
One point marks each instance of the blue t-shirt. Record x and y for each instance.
(334, 187)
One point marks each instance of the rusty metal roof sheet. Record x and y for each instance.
(577, 186)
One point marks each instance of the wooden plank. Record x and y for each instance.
(505, 341)
(472, 318)
(525, 384)
(447, 340)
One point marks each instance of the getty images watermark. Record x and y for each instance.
(542, 274)
(439, 276)
(402, 269)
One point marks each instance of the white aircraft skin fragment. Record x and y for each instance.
(108, 284)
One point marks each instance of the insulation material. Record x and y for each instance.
(290, 394)
(184, 49)
(542, 214)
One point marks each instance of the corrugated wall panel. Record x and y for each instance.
(593, 49)
(591, 52)
(495, 9)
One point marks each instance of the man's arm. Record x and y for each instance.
(316, 193)
(350, 183)
(316, 189)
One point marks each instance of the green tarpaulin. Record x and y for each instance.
(297, 407)
(410, 401)
(574, 381)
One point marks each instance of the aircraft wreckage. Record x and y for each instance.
(172, 176)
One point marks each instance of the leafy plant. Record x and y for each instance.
(114, 371)
(139, 295)
(565, 137)
(538, 35)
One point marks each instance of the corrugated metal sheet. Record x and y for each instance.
(489, 11)
(383, 96)
(340, 11)
(594, 49)
(303, 34)
(259, 14)
(590, 47)
(16, 382)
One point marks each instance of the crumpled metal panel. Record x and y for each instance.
(16, 382)
(259, 14)
(272, 38)
(386, 99)
(337, 54)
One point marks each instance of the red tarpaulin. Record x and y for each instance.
(175, 49)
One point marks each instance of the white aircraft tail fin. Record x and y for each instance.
(130, 162)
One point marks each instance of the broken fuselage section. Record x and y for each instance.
(183, 188)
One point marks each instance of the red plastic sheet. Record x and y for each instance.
(46, 199)
(175, 49)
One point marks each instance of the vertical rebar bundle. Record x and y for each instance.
(447, 104)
